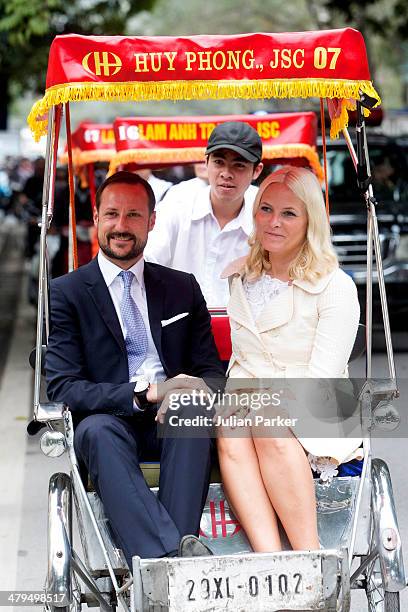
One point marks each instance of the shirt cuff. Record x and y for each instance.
(136, 408)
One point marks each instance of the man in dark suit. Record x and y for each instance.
(120, 327)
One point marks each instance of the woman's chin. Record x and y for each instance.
(274, 247)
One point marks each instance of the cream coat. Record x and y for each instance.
(308, 330)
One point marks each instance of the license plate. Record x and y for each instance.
(247, 583)
(282, 587)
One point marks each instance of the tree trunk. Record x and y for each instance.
(4, 100)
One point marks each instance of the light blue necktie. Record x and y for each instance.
(136, 336)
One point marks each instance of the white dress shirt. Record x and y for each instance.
(151, 368)
(159, 186)
(187, 237)
(185, 189)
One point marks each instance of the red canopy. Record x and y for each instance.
(331, 64)
(157, 141)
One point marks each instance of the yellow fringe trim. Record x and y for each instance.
(63, 158)
(187, 155)
(83, 177)
(290, 151)
(196, 90)
(197, 154)
(81, 158)
(338, 123)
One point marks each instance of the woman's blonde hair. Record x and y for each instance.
(317, 257)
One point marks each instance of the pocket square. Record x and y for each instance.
(165, 322)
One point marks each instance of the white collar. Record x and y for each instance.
(202, 207)
(202, 204)
(110, 271)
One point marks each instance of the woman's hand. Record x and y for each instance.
(157, 392)
(235, 401)
(167, 391)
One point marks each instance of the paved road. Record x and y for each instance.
(10, 282)
(24, 471)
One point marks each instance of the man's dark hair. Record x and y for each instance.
(126, 178)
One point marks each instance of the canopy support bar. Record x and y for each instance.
(54, 120)
(72, 240)
(365, 185)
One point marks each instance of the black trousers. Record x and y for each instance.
(145, 524)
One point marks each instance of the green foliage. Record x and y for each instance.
(27, 28)
(23, 20)
(227, 17)
(383, 17)
(384, 25)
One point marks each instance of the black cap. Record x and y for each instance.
(237, 136)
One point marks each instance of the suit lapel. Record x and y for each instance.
(100, 295)
(238, 309)
(155, 305)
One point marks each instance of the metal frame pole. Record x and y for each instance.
(54, 118)
(383, 294)
(369, 295)
(362, 166)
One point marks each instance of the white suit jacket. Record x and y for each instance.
(307, 331)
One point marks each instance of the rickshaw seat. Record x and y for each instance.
(222, 335)
(151, 473)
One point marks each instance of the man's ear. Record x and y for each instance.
(152, 220)
(95, 217)
(257, 171)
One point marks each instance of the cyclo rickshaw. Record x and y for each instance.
(361, 546)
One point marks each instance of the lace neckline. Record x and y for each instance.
(262, 290)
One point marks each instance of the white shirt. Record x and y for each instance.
(187, 237)
(159, 186)
(151, 368)
(185, 189)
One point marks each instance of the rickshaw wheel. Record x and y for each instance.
(61, 581)
(379, 600)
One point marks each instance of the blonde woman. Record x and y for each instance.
(293, 314)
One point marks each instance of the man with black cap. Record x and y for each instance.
(204, 233)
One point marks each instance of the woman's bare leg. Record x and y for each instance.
(288, 481)
(245, 491)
